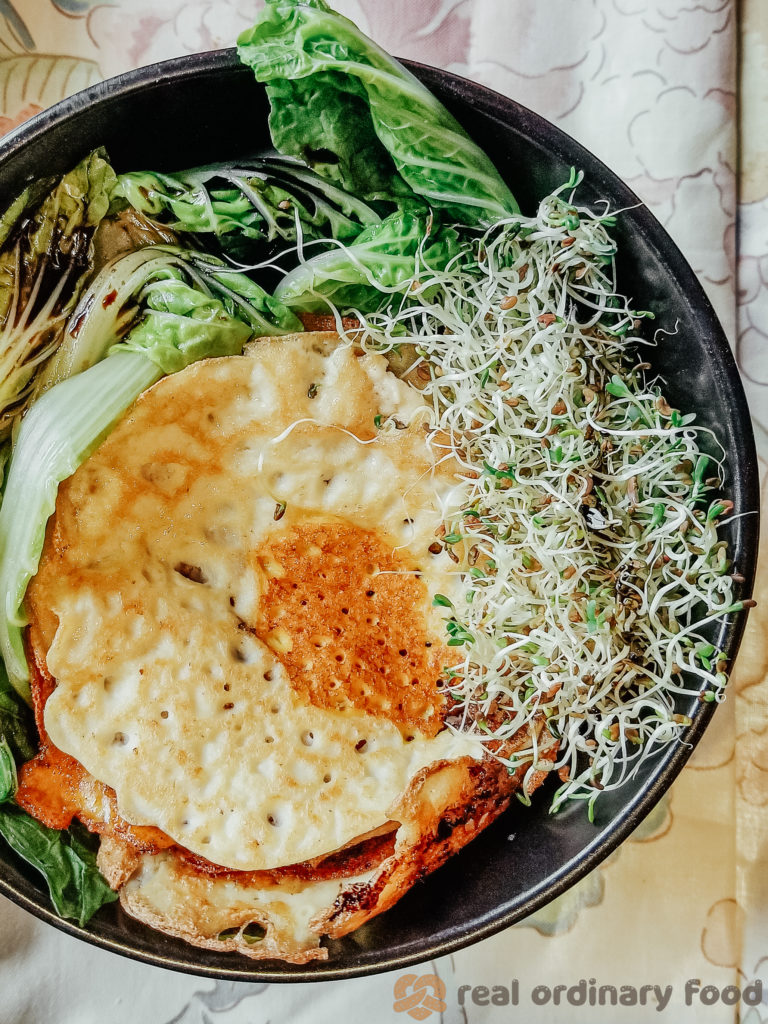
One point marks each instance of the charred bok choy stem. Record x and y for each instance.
(588, 553)
(187, 306)
(45, 255)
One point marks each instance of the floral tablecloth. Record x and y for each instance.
(677, 919)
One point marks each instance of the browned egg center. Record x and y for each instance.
(347, 616)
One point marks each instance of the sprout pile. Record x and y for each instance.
(586, 545)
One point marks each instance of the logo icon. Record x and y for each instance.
(419, 996)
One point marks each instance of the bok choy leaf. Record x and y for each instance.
(382, 260)
(186, 306)
(45, 255)
(8, 779)
(258, 203)
(67, 861)
(114, 302)
(182, 325)
(17, 725)
(345, 106)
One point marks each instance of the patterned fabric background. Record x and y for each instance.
(650, 86)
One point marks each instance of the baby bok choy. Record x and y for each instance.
(169, 308)
(45, 256)
(346, 107)
(381, 262)
(362, 120)
(247, 207)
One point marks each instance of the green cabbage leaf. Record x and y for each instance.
(67, 861)
(355, 114)
(381, 262)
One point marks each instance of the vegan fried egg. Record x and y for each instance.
(235, 600)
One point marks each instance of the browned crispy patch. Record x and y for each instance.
(444, 808)
(356, 615)
(316, 322)
(353, 859)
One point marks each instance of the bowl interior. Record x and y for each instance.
(207, 108)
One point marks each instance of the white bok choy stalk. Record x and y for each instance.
(188, 306)
(57, 434)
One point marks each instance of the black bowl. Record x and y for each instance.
(206, 108)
